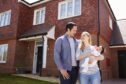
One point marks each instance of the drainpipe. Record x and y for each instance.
(98, 33)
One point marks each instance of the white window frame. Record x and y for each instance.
(7, 19)
(110, 23)
(35, 14)
(4, 61)
(66, 2)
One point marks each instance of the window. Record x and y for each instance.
(39, 16)
(77, 7)
(69, 8)
(5, 18)
(3, 53)
(110, 23)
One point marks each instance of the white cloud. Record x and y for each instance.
(118, 7)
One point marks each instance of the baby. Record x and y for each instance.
(96, 51)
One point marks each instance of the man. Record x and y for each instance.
(64, 55)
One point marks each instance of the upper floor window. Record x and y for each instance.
(3, 53)
(39, 16)
(69, 8)
(5, 18)
(110, 23)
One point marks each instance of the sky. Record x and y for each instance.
(118, 7)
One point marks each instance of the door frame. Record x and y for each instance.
(45, 45)
(35, 56)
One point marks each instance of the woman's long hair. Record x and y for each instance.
(82, 45)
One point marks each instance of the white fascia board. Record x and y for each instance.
(121, 46)
(33, 4)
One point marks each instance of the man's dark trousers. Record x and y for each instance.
(73, 77)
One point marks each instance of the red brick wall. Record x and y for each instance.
(9, 31)
(24, 55)
(8, 67)
(30, 55)
(105, 13)
(8, 34)
(25, 19)
(21, 53)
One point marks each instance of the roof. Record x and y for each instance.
(35, 31)
(119, 34)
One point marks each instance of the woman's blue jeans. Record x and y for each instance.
(90, 79)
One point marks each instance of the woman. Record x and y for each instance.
(90, 75)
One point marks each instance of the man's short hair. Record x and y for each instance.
(70, 25)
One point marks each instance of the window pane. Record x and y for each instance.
(2, 19)
(77, 5)
(37, 17)
(1, 54)
(8, 18)
(5, 18)
(110, 22)
(63, 11)
(5, 52)
(42, 16)
(70, 8)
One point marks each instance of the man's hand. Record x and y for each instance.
(64, 74)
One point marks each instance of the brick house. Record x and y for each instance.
(28, 32)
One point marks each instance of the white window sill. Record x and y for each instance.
(69, 17)
(4, 26)
(39, 23)
(2, 62)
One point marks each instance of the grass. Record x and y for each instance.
(9, 79)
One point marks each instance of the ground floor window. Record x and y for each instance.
(3, 53)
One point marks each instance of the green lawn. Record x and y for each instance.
(9, 79)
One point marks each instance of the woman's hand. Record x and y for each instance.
(98, 58)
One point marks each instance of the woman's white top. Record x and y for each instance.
(85, 68)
